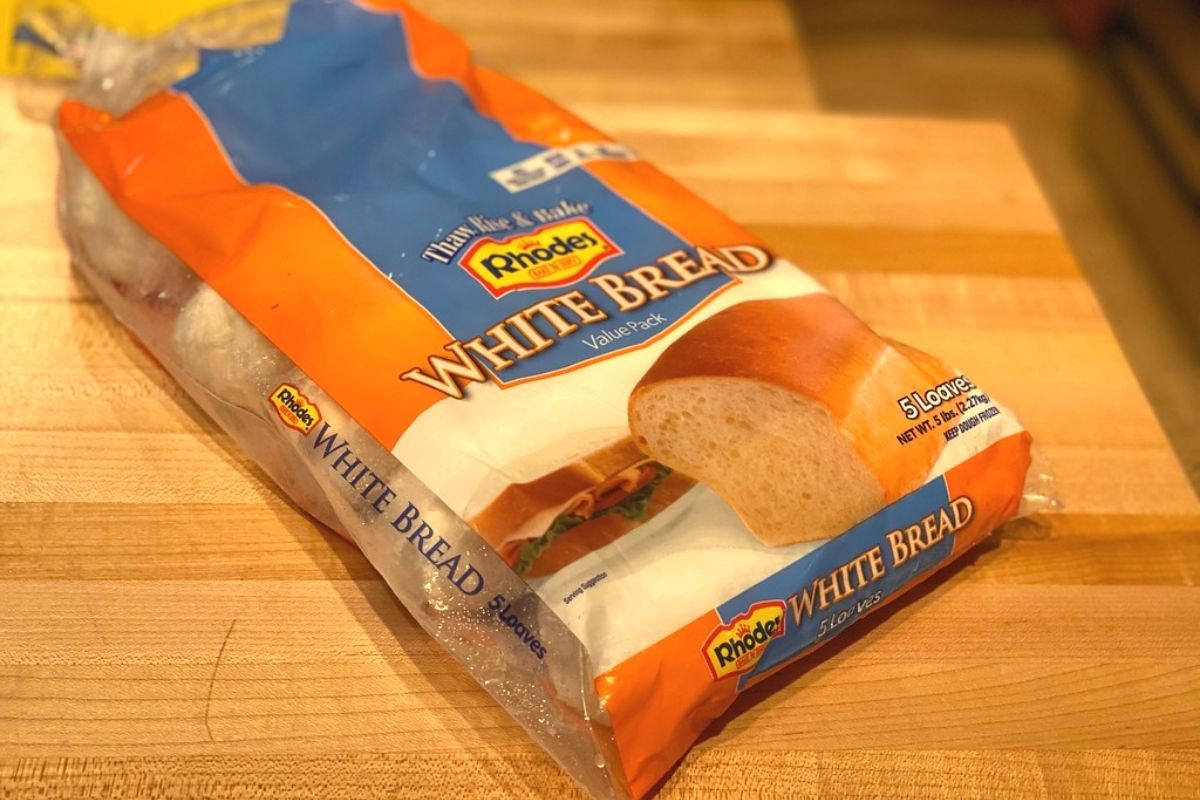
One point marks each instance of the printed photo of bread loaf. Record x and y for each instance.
(787, 409)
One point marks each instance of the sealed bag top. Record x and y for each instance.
(703, 462)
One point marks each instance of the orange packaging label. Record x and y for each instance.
(296, 410)
(553, 255)
(737, 646)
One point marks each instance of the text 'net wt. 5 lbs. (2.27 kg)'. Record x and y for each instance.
(616, 455)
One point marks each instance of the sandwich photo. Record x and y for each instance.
(542, 525)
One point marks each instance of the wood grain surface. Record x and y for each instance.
(170, 626)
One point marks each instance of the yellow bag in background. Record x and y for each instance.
(139, 17)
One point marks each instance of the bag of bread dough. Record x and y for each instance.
(615, 453)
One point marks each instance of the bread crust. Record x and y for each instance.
(812, 345)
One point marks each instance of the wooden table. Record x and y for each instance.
(171, 627)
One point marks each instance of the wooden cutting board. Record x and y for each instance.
(170, 626)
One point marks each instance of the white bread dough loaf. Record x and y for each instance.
(226, 354)
(115, 246)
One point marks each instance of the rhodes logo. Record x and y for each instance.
(296, 410)
(553, 255)
(737, 646)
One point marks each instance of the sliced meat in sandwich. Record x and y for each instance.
(542, 525)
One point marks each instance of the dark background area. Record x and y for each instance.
(1104, 99)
